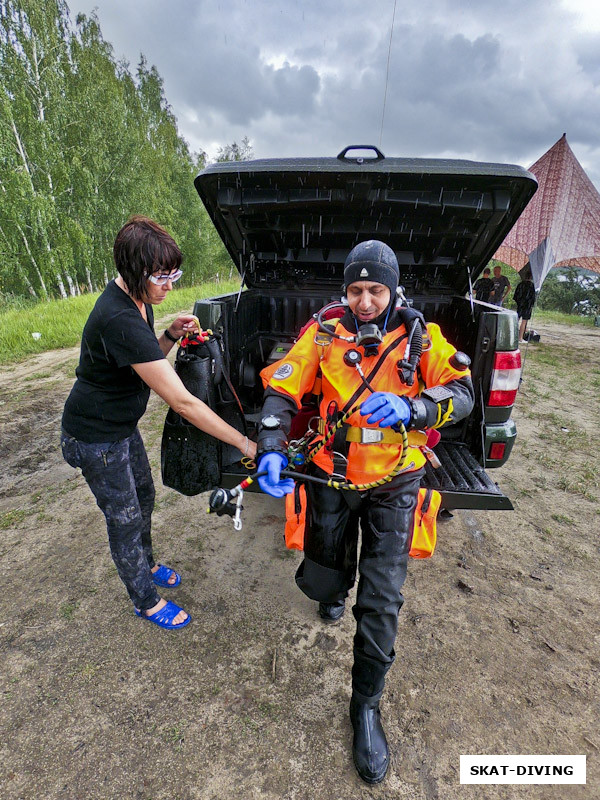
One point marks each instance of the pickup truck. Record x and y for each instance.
(288, 225)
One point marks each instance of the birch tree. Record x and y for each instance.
(33, 60)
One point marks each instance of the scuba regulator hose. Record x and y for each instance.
(223, 501)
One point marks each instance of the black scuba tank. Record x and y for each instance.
(190, 459)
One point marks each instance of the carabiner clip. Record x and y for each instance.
(237, 517)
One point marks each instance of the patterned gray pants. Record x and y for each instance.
(118, 473)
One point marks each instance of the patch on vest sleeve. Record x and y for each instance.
(283, 372)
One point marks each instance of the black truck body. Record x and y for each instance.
(288, 225)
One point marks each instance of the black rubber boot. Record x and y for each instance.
(332, 612)
(369, 746)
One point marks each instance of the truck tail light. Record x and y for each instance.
(505, 378)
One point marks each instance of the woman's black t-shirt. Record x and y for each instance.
(109, 397)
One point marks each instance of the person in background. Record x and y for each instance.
(365, 450)
(500, 288)
(121, 360)
(524, 298)
(483, 286)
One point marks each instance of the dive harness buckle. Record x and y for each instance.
(378, 435)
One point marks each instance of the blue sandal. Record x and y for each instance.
(164, 618)
(162, 575)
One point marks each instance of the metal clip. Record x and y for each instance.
(237, 517)
(340, 458)
(431, 457)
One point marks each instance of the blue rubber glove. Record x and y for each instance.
(272, 483)
(386, 409)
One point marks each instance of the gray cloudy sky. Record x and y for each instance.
(497, 80)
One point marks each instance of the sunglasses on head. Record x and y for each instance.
(161, 279)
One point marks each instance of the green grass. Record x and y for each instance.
(563, 520)
(68, 609)
(38, 376)
(549, 354)
(60, 322)
(561, 318)
(573, 438)
(576, 483)
(12, 517)
(174, 735)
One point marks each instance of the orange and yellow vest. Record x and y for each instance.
(295, 376)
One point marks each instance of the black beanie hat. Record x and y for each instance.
(372, 261)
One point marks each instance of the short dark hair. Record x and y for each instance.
(487, 269)
(141, 248)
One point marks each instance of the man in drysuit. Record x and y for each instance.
(372, 333)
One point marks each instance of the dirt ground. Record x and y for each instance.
(498, 649)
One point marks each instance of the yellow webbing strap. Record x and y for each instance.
(442, 419)
(388, 436)
(415, 438)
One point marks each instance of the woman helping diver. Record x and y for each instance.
(121, 360)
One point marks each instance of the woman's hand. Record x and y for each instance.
(251, 449)
(183, 325)
(186, 323)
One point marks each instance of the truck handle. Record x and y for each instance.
(360, 159)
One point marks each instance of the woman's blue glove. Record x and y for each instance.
(271, 483)
(386, 409)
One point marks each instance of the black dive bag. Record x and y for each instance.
(190, 459)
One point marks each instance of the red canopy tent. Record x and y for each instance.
(561, 225)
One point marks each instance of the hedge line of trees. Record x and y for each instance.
(84, 143)
(571, 291)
